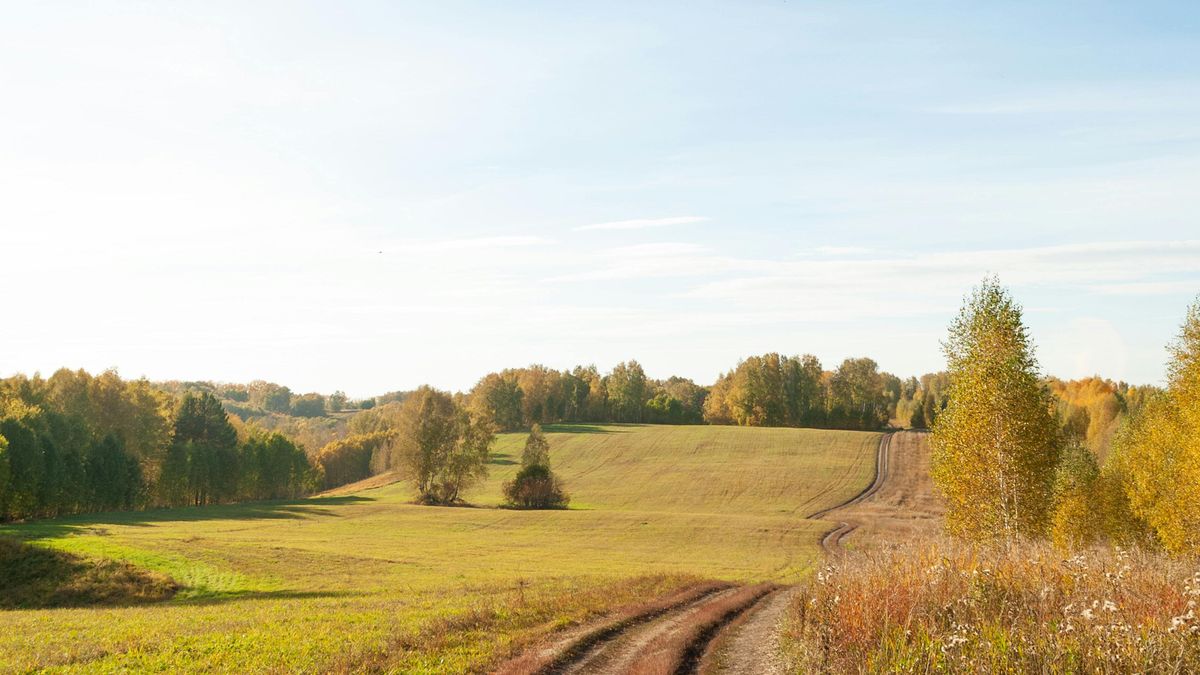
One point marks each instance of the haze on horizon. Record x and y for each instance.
(372, 196)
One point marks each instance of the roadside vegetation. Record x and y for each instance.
(1074, 513)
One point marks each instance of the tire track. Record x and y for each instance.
(831, 541)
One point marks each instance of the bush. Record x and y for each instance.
(535, 487)
(945, 607)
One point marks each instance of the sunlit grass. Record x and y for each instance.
(371, 579)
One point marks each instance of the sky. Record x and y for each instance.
(372, 196)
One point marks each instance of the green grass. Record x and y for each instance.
(372, 580)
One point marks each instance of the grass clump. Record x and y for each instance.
(950, 607)
(37, 577)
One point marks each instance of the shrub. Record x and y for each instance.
(943, 607)
(535, 487)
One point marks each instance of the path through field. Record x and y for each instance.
(898, 503)
(736, 630)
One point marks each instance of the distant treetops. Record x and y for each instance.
(1017, 457)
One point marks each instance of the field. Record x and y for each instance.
(368, 580)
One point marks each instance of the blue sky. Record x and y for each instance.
(370, 196)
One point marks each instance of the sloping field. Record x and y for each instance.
(905, 505)
(367, 580)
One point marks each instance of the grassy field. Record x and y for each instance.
(367, 580)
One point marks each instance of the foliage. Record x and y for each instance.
(308, 405)
(273, 467)
(440, 446)
(775, 390)
(535, 485)
(498, 397)
(995, 446)
(1158, 453)
(537, 448)
(350, 459)
(202, 465)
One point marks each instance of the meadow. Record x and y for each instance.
(368, 580)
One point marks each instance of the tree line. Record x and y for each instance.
(1081, 463)
(77, 443)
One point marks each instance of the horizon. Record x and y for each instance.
(369, 198)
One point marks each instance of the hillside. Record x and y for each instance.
(369, 578)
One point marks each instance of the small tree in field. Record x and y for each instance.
(440, 446)
(537, 448)
(995, 446)
(536, 486)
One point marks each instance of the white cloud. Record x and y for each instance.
(642, 223)
(445, 245)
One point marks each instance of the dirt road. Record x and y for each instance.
(898, 505)
(735, 629)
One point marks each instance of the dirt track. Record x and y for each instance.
(899, 504)
(741, 625)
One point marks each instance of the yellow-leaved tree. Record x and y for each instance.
(996, 445)
(1158, 452)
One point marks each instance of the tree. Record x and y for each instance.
(995, 446)
(858, 399)
(350, 459)
(270, 396)
(201, 466)
(918, 418)
(440, 445)
(308, 405)
(114, 479)
(929, 409)
(498, 398)
(273, 467)
(626, 386)
(4, 475)
(535, 485)
(537, 448)
(336, 401)
(1159, 450)
(1077, 518)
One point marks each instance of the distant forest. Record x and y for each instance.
(77, 443)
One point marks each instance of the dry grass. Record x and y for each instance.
(941, 606)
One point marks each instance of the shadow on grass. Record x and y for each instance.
(93, 523)
(234, 596)
(501, 459)
(33, 577)
(606, 428)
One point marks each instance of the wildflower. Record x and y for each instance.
(1110, 606)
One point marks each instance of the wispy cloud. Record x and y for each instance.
(444, 245)
(642, 223)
